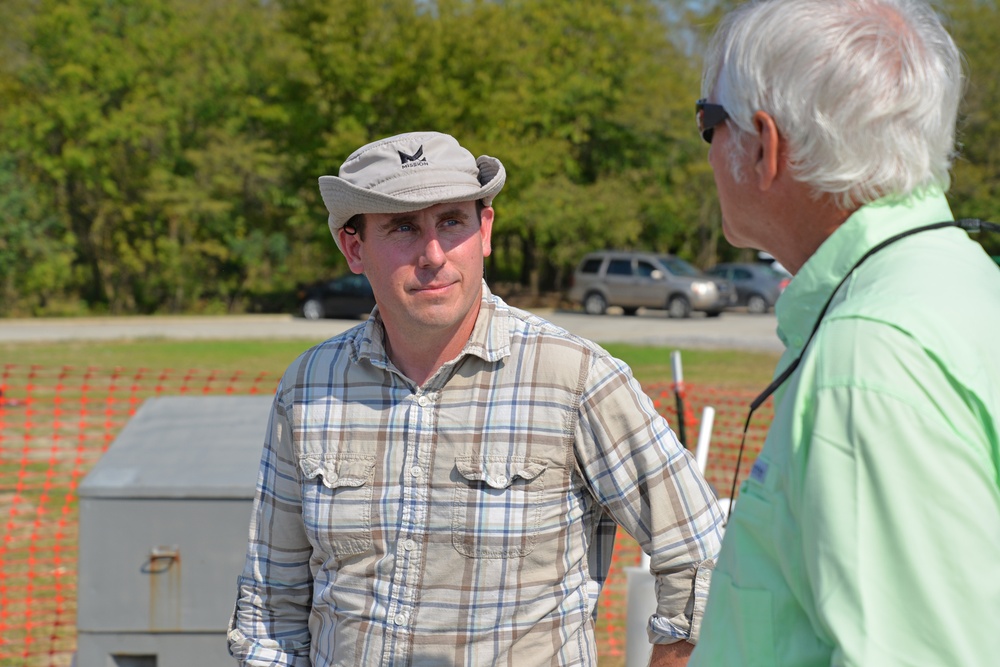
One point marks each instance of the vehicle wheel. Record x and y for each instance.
(595, 304)
(756, 304)
(678, 307)
(630, 311)
(312, 310)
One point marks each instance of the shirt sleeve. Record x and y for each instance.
(270, 624)
(645, 479)
(900, 512)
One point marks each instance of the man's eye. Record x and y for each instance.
(404, 228)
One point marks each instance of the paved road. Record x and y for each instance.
(733, 330)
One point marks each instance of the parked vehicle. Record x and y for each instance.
(633, 280)
(770, 260)
(758, 286)
(347, 296)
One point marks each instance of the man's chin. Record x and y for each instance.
(434, 314)
(734, 238)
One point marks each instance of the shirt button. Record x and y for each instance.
(501, 481)
(416, 471)
(423, 401)
(332, 478)
(400, 619)
(409, 545)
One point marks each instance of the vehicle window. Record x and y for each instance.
(591, 265)
(620, 267)
(719, 271)
(679, 267)
(742, 274)
(644, 269)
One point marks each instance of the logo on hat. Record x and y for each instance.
(415, 160)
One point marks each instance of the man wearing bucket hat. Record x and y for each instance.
(441, 484)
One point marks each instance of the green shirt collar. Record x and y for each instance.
(800, 304)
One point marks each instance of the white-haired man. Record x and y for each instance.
(440, 485)
(868, 532)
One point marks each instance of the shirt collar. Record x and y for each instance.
(490, 338)
(800, 303)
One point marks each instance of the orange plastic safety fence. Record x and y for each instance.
(731, 407)
(54, 425)
(55, 422)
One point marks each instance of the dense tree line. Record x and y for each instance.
(162, 155)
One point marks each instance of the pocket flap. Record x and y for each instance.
(338, 470)
(499, 472)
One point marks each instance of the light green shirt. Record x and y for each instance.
(868, 532)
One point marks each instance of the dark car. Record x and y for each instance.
(758, 286)
(346, 296)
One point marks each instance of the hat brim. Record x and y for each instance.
(344, 200)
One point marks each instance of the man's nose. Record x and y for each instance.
(432, 253)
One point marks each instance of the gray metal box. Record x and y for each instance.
(163, 532)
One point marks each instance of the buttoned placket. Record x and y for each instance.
(418, 436)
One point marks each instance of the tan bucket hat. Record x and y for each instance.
(408, 172)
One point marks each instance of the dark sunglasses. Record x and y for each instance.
(709, 115)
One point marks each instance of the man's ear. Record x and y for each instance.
(769, 148)
(486, 230)
(350, 244)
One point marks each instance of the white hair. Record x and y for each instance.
(865, 92)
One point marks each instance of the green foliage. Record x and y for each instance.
(162, 155)
(35, 251)
(146, 129)
(975, 191)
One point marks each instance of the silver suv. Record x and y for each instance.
(636, 280)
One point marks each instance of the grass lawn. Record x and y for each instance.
(720, 368)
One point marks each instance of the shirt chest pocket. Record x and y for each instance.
(497, 506)
(337, 502)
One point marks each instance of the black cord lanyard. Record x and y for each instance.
(970, 225)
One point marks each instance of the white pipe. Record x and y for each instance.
(704, 438)
(641, 601)
(675, 364)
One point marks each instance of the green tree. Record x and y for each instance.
(36, 252)
(146, 124)
(589, 106)
(975, 191)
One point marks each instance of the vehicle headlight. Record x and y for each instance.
(704, 289)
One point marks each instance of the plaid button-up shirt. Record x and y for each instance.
(468, 521)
